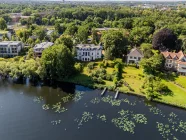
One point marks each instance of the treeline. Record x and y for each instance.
(137, 25)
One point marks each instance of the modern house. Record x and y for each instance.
(88, 52)
(10, 48)
(175, 61)
(134, 56)
(38, 48)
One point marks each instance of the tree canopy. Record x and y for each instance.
(165, 39)
(58, 62)
(114, 42)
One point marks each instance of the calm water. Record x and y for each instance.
(22, 118)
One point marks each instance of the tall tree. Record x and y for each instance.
(165, 39)
(116, 42)
(58, 62)
(82, 34)
(3, 24)
(65, 40)
(152, 65)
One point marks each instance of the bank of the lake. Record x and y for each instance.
(133, 77)
(68, 111)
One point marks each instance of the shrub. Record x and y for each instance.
(111, 64)
(101, 65)
(91, 65)
(78, 67)
(109, 77)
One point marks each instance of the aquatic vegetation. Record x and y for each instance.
(115, 102)
(95, 100)
(182, 126)
(78, 96)
(56, 122)
(128, 102)
(107, 99)
(67, 98)
(58, 108)
(125, 121)
(140, 118)
(124, 113)
(102, 117)
(164, 130)
(86, 116)
(38, 99)
(172, 119)
(46, 106)
(156, 111)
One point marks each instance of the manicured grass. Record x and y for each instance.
(134, 77)
(181, 80)
(178, 97)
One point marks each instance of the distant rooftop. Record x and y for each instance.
(10, 42)
(43, 45)
(88, 46)
(105, 29)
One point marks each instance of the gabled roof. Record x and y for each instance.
(173, 55)
(135, 52)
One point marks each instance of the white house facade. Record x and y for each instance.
(134, 56)
(175, 61)
(10, 48)
(38, 48)
(88, 52)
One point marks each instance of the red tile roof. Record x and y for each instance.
(173, 55)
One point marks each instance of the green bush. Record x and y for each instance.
(79, 67)
(91, 65)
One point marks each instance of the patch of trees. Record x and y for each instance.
(115, 44)
(58, 62)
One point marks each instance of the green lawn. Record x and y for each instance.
(134, 77)
(179, 94)
(181, 80)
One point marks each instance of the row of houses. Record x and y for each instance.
(90, 52)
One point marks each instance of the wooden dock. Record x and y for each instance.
(103, 92)
(116, 95)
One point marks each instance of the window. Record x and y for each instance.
(134, 57)
(170, 61)
(139, 58)
(131, 57)
(170, 65)
(97, 53)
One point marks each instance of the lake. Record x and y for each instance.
(71, 112)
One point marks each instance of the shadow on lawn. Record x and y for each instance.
(168, 76)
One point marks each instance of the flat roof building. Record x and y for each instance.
(10, 48)
(38, 48)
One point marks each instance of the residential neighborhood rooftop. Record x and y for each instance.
(135, 52)
(10, 42)
(173, 55)
(43, 45)
(89, 46)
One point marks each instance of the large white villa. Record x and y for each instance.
(10, 48)
(134, 56)
(88, 52)
(175, 61)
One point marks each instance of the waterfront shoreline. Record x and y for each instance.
(129, 93)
